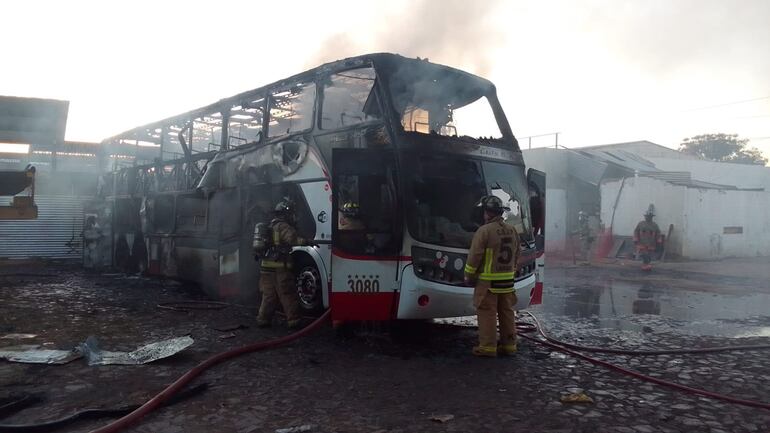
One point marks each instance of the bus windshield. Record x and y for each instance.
(433, 100)
(442, 192)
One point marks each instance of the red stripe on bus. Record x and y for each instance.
(364, 306)
(536, 298)
(344, 255)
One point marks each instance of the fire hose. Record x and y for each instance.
(523, 328)
(571, 349)
(180, 383)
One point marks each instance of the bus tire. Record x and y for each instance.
(309, 286)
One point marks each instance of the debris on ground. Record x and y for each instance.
(442, 418)
(143, 355)
(34, 354)
(297, 429)
(577, 398)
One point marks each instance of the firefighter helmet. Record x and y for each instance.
(284, 207)
(650, 211)
(350, 209)
(492, 204)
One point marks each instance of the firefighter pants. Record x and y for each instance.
(277, 286)
(491, 307)
(91, 255)
(645, 253)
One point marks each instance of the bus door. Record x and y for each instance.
(366, 238)
(536, 184)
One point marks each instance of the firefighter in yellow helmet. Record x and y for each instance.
(276, 279)
(349, 218)
(491, 268)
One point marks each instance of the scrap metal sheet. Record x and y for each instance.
(143, 355)
(34, 354)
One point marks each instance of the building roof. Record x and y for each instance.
(596, 163)
(38, 122)
(644, 148)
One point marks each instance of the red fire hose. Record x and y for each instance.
(180, 383)
(523, 328)
(568, 349)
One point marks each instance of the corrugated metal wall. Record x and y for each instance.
(54, 234)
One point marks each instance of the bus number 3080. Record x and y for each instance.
(364, 283)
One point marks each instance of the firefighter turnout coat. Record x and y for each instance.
(491, 263)
(493, 256)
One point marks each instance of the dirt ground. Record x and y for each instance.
(372, 379)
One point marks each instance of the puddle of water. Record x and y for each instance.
(631, 306)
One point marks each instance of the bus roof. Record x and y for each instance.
(381, 61)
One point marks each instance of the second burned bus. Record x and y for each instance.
(412, 144)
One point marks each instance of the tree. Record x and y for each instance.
(723, 148)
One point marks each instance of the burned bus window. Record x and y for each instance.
(207, 133)
(172, 147)
(443, 102)
(416, 119)
(472, 120)
(291, 110)
(349, 99)
(246, 121)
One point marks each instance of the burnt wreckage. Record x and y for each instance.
(188, 206)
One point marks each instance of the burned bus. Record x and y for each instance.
(412, 145)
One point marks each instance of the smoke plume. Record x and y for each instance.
(452, 32)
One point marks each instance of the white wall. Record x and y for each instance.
(635, 198)
(740, 175)
(699, 217)
(710, 211)
(555, 219)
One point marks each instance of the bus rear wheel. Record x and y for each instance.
(310, 288)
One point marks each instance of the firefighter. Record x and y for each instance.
(646, 238)
(92, 234)
(491, 267)
(585, 235)
(276, 280)
(349, 218)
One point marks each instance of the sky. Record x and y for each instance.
(596, 71)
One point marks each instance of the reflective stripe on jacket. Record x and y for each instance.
(284, 238)
(493, 255)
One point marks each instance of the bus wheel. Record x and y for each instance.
(310, 288)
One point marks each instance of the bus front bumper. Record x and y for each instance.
(422, 299)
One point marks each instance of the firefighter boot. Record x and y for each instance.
(484, 351)
(507, 349)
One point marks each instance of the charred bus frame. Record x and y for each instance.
(380, 130)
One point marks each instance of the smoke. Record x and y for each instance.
(662, 37)
(452, 32)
